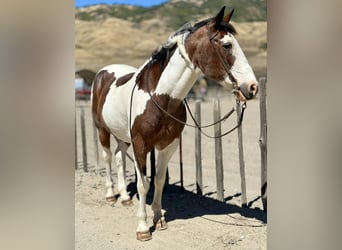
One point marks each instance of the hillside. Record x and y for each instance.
(175, 13)
(106, 34)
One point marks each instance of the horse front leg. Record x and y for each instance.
(164, 157)
(143, 231)
(143, 185)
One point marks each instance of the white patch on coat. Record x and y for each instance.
(241, 70)
(177, 77)
(116, 109)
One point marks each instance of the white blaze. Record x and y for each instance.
(241, 70)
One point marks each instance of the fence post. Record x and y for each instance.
(263, 141)
(218, 151)
(75, 144)
(96, 149)
(198, 149)
(84, 142)
(241, 158)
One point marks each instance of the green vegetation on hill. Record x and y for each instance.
(176, 13)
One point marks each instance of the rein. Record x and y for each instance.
(243, 107)
(224, 118)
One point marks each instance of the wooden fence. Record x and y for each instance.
(198, 149)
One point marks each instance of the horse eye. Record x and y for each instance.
(227, 46)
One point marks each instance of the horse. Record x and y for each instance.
(144, 106)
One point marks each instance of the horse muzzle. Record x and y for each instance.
(247, 91)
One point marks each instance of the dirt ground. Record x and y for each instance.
(194, 222)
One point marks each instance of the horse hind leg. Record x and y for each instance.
(163, 158)
(104, 137)
(120, 159)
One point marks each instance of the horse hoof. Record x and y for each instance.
(111, 199)
(160, 225)
(144, 236)
(127, 203)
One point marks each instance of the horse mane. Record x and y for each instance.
(163, 53)
(160, 56)
(193, 26)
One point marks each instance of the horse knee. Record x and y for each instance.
(143, 186)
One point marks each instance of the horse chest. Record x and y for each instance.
(157, 128)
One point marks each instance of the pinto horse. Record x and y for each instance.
(144, 107)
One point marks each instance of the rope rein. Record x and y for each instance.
(243, 107)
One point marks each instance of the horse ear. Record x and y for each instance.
(227, 18)
(218, 18)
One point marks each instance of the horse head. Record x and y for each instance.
(213, 48)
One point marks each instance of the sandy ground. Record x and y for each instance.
(194, 222)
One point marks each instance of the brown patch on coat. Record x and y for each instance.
(104, 137)
(154, 128)
(204, 56)
(152, 71)
(123, 79)
(102, 82)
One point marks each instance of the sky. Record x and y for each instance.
(145, 3)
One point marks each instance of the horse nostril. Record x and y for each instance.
(253, 88)
(249, 90)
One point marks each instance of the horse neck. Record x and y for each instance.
(178, 77)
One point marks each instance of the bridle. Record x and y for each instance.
(225, 65)
(236, 89)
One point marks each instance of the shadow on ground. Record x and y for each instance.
(183, 204)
